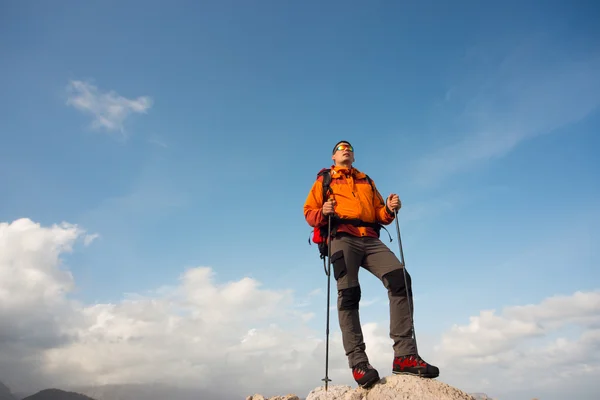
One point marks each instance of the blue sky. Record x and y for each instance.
(482, 117)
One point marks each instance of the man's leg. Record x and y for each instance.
(346, 257)
(384, 264)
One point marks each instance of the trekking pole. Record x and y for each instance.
(410, 306)
(326, 379)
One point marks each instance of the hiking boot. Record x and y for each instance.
(414, 365)
(364, 374)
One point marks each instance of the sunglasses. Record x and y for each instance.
(344, 147)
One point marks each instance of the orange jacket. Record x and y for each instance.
(354, 199)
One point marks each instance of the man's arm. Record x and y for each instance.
(313, 206)
(383, 213)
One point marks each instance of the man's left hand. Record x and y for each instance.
(393, 202)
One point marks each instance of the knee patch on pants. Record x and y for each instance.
(349, 298)
(395, 283)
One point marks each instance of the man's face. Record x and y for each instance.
(344, 154)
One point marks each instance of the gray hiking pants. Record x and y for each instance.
(348, 254)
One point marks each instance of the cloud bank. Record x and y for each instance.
(245, 339)
(545, 347)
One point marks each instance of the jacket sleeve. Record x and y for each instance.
(313, 206)
(384, 215)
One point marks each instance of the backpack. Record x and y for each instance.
(319, 234)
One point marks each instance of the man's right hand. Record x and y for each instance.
(328, 207)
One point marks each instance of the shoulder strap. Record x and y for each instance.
(326, 183)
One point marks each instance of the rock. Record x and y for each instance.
(395, 387)
(333, 392)
(261, 397)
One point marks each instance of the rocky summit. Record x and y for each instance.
(395, 387)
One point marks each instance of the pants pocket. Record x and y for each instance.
(339, 264)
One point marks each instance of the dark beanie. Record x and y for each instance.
(336, 145)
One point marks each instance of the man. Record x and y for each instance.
(352, 196)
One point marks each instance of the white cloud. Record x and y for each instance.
(198, 334)
(540, 347)
(90, 238)
(29, 254)
(108, 109)
(34, 309)
(246, 339)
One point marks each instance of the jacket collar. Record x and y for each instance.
(355, 173)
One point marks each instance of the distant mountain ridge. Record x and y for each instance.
(481, 396)
(57, 394)
(149, 391)
(5, 393)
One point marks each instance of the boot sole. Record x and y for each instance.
(428, 376)
(370, 383)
